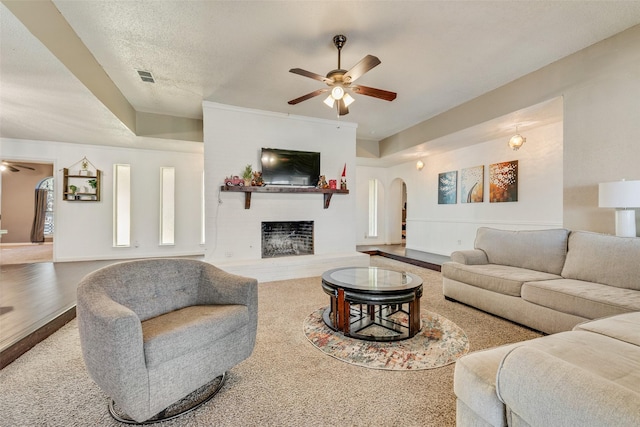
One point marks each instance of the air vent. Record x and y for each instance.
(146, 76)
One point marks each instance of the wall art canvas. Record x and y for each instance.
(503, 182)
(447, 188)
(472, 185)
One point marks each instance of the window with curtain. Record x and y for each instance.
(47, 184)
(42, 224)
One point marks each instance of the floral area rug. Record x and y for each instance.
(440, 342)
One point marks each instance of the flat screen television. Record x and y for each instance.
(290, 167)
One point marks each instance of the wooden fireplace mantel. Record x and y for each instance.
(327, 192)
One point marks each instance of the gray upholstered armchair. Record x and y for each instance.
(153, 331)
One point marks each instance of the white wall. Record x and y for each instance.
(600, 89)
(84, 230)
(441, 229)
(233, 138)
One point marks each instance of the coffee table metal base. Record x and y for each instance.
(374, 319)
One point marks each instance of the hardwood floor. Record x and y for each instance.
(410, 256)
(34, 295)
(37, 299)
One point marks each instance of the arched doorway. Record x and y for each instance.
(396, 213)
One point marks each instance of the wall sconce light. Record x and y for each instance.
(419, 165)
(517, 140)
(623, 196)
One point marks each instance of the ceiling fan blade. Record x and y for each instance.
(365, 64)
(308, 96)
(311, 75)
(343, 110)
(376, 93)
(23, 166)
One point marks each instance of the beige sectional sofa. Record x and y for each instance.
(548, 280)
(586, 377)
(587, 373)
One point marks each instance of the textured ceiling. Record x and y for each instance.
(435, 55)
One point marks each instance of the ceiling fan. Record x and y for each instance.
(340, 82)
(13, 167)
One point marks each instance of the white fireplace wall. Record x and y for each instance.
(233, 138)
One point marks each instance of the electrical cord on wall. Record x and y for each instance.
(215, 222)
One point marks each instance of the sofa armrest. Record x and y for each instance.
(470, 257)
(541, 389)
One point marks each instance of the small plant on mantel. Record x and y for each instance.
(247, 174)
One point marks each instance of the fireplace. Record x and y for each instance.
(287, 238)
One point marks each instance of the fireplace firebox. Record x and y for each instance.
(287, 238)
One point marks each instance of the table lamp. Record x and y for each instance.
(624, 196)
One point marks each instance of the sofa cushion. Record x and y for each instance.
(585, 379)
(585, 299)
(605, 259)
(623, 327)
(540, 250)
(497, 278)
(173, 334)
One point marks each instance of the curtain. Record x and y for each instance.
(37, 229)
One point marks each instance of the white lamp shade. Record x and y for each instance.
(619, 194)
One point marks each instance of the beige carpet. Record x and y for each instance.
(286, 382)
(25, 254)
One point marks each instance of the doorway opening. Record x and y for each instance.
(18, 186)
(397, 212)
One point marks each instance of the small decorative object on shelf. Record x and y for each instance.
(233, 181)
(257, 180)
(333, 184)
(322, 182)
(247, 174)
(76, 186)
(93, 183)
(72, 192)
(84, 169)
(343, 178)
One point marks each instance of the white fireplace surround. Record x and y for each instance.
(233, 138)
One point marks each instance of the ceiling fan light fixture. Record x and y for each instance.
(330, 101)
(337, 93)
(347, 99)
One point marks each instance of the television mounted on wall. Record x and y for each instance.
(290, 167)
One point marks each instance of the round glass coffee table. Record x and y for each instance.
(372, 303)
